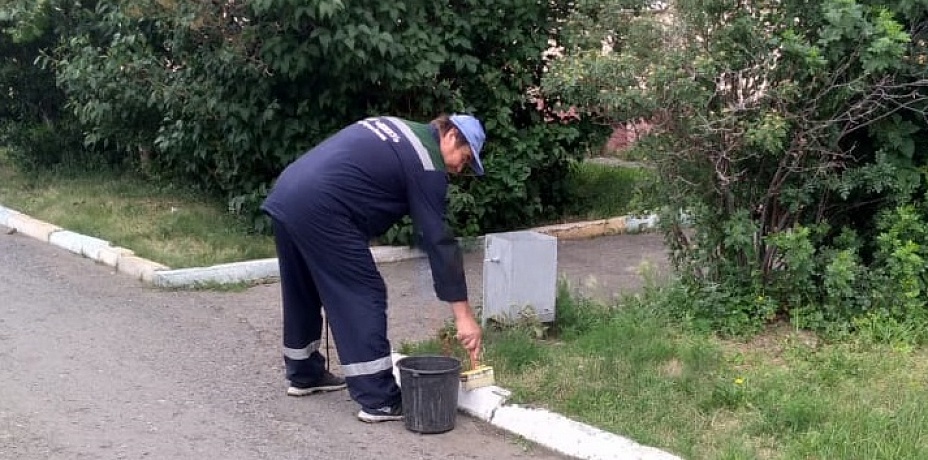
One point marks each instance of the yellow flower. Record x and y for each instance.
(739, 381)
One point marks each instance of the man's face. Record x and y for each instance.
(457, 157)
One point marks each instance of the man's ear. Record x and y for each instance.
(458, 136)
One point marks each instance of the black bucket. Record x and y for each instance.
(429, 385)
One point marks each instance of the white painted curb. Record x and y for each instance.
(86, 246)
(32, 227)
(388, 254)
(5, 215)
(111, 255)
(138, 268)
(572, 438)
(220, 274)
(549, 429)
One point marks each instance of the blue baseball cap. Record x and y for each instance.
(472, 130)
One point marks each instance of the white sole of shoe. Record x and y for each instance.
(372, 418)
(294, 391)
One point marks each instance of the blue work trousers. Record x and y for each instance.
(326, 263)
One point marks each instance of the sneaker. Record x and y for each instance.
(328, 382)
(384, 414)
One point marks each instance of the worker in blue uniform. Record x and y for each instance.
(326, 207)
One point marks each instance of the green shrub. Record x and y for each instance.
(34, 124)
(41, 146)
(224, 95)
(780, 135)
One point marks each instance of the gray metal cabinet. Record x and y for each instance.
(519, 276)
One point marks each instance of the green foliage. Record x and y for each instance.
(28, 92)
(902, 248)
(518, 348)
(33, 123)
(575, 315)
(39, 145)
(110, 81)
(788, 136)
(598, 191)
(224, 95)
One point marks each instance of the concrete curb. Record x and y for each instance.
(123, 260)
(573, 438)
(570, 231)
(138, 268)
(32, 227)
(5, 215)
(538, 425)
(603, 227)
(262, 269)
(110, 256)
(389, 254)
(79, 244)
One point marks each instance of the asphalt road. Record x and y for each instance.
(95, 365)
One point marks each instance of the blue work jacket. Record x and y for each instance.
(377, 171)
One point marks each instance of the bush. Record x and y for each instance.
(787, 135)
(43, 146)
(33, 123)
(225, 94)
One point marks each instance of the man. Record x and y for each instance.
(326, 207)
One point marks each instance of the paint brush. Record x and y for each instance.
(477, 377)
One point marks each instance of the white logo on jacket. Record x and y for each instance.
(381, 129)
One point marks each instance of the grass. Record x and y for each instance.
(602, 191)
(629, 369)
(172, 227)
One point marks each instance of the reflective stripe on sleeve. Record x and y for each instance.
(368, 368)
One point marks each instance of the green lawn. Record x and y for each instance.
(172, 227)
(783, 395)
(602, 191)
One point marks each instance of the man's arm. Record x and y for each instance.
(469, 333)
(427, 208)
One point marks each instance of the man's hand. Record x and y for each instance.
(469, 332)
